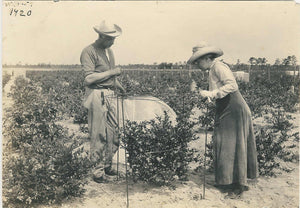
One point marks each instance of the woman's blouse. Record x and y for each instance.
(221, 80)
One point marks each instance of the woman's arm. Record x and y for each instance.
(226, 77)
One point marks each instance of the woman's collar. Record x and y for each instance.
(212, 64)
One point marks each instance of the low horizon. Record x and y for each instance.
(154, 63)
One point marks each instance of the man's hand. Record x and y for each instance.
(119, 86)
(123, 91)
(117, 71)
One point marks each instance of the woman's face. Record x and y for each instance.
(203, 63)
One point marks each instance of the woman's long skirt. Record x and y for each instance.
(234, 141)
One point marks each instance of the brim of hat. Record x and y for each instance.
(118, 31)
(207, 50)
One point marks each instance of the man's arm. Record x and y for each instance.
(88, 65)
(102, 76)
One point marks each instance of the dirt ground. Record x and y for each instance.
(282, 191)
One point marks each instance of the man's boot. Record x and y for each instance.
(109, 171)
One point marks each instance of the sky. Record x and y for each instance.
(156, 31)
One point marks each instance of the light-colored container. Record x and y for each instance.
(292, 73)
(241, 76)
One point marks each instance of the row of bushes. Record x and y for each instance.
(173, 88)
(39, 161)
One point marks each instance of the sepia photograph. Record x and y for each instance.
(150, 104)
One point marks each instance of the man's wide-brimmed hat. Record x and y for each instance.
(202, 49)
(108, 29)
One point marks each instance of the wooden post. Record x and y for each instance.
(249, 71)
(295, 70)
(269, 73)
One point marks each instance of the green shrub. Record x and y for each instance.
(44, 169)
(158, 151)
(268, 146)
(40, 164)
(199, 158)
(67, 93)
(260, 92)
(270, 142)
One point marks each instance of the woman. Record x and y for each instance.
(235, 155)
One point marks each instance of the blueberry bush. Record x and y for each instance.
(158, 150)
(40, 163)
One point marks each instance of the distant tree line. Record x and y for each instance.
(288, 61)
(253, 61)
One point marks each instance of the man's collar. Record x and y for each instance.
(97, 44)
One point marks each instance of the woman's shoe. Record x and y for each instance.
(232, 195)
(240, 189)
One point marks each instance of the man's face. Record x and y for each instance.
(106, 41)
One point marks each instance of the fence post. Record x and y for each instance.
(294, 74)
(268, 68)
(249, 71)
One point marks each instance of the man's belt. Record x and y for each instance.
(99, 87)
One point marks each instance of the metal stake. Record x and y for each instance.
(127, 204)
(204, 172)
(118, 123)
(118, 153)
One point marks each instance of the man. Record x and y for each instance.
(100, 80)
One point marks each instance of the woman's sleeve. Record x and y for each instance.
(225, 76)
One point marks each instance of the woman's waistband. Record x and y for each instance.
(230, 94)
(222, 103)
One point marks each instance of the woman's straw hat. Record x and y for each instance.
(108, 29)
(202, 49)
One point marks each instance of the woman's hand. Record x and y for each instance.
(205, 93)
(193, 86)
